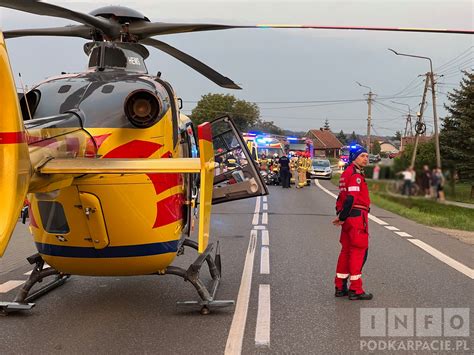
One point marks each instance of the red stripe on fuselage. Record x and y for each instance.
(12, 137)
(163, 182)
(134, 149)
(169, 210)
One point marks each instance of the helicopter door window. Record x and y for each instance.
(236, 176)
(53, 217)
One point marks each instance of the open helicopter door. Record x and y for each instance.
(236, 175)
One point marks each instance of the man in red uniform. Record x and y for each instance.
(352, 208)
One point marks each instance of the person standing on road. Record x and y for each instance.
(284, 171)
(407, 181)
(426, 181)
(352, 206)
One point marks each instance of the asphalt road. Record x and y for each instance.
(291, 307)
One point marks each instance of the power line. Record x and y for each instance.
(454, 59)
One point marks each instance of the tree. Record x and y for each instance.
(376, 147)
(245, 114)
(425, 155)
(398, 136)
(457, 133)
(342, 137)
(326, 125)
(267, 127)
(353, 138)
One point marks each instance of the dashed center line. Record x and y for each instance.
(392, 228)
(265, 206)
(265, 261)
(262, 330)
(265, 238)
(265, 218)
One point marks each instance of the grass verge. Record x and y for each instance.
(423, 211)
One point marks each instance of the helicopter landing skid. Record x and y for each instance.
(22, 300)
(206, 294)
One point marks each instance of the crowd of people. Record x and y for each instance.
(291, 168)
(431, 181)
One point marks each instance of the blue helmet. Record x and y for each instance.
(355, 151)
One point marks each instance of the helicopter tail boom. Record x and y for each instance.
(15, 167)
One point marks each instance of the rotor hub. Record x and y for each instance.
(121, 14)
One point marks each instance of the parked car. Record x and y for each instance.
(392, 155)
(374, 158)
(321, 169)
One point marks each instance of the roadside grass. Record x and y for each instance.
(423, 211)
(427, 212)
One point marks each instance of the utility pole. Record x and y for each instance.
(420, 127)
(408, 123)
(408, 120)
(369, 119)
(431, 74)
(369, 113)
(435, 118)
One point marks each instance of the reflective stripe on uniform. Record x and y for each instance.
(354, 188)
(342, 276)
(355, 277)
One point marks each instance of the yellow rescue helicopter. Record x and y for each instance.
(111, 170)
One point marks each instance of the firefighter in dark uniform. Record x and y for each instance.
(284, 171)
(352, 208)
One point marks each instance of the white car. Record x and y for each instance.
(321, 169)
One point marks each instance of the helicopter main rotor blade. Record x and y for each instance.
(361, 28)
(40, 8)
(144, 29)
(67, 31)
(197, 65)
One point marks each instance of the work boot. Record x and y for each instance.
(353, 296)
(341, 293)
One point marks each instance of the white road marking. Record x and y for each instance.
(265, 238)
(262, 330)
(444, 258)
(10, 285)
(377, 220)
(237, 328)
(428, 248)
(404, 234)
(265, 206)
(264, 198)
(255, 218)
(316, 181)
(265, 218)
(257, 205)
(265, 260)
(256, 211)
(259, 227)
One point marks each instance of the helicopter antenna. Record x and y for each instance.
(26, 98)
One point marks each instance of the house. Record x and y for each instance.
(325, 143)
(387, 147)
(411, 140)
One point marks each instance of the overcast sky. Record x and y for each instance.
(288, 73)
